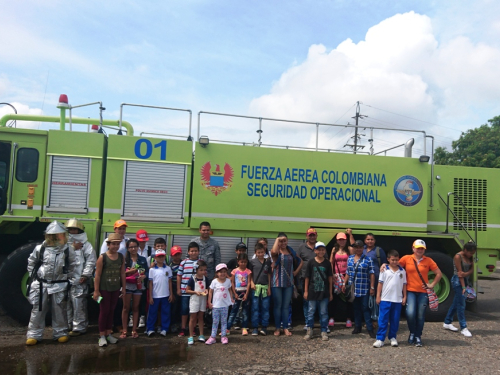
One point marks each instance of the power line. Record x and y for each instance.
(411, 118)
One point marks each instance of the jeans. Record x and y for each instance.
(260, 310)
(458, 306)
(389, 313)
(416, 303)
(362, 309)
(281, 299)
(323, 313)
(235, 310)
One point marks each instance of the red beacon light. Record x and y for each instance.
(63, 101)
(94, 128)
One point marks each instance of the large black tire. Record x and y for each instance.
(445, 264)
(12, 271)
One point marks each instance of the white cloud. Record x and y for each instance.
(24, 110)
(400, 67)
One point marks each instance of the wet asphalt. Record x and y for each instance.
(443, 353)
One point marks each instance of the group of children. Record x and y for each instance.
(180, 290)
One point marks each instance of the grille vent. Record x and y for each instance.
(473, 193)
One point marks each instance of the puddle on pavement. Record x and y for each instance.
(96, 360)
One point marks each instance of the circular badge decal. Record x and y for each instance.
(408, 190)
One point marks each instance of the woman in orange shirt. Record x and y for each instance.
(417, 299)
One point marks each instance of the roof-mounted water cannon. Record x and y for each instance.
(63, 106)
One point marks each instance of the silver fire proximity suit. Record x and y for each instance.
(47, 294)
(85, 263)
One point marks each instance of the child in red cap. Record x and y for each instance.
(175, 306)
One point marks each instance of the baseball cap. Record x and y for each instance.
(319, 244)
(311, 231)
(220, 266)
(175, 250)
(358, 243)
(114, 237)
(341, 236)
(159, 253)
(142, 235)
(419, 243)
(120, 223)
(241, 245)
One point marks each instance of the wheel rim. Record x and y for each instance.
(443, 288)
(24, 283)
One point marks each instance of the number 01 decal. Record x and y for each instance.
(146, 153)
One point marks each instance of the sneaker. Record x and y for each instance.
(210, 341)
(328, 330)
(131, 321)
(224, 340)
(66, 338)
(418, 342)
(201, 338)
(348, 324)
(190, 340)
(163, 333)
(142, 321)
(244, 332)
(182, 332)
(31, 342)
(309, 334)
(411, 339)
(102, 341)
(450, 327)
(263, 331)
(255, 332)
(331, 322)
(151, 333)
(305, 328)
(324, 336)
(356, 330)
(466, 332)
(378, 344)
(372, 334)
(111, 339)
(394, 342)
(236, 328)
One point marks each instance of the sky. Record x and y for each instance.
(425, 66)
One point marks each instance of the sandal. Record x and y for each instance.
(277, 332)
(135, 335)
(287, 332)
(123, 335)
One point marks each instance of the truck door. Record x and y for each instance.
(22, 169)
(5, 151)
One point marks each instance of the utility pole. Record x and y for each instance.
(356, 136)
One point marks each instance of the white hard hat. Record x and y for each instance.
(55, 227)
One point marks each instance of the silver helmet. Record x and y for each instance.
(55, 227)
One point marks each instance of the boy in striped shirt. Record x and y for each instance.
(184, 273)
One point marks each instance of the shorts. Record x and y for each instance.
(197, 304)
(136, 292)
(185, 304)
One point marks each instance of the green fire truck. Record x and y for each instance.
(169, 186)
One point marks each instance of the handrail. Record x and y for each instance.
(157, 107)
(77, 120)
(317, 124)
(455, 216)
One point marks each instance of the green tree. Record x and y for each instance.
(479, 147)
